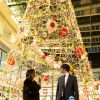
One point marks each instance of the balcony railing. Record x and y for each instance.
(90, 49)
(88, 20)
(85, 2)
(90, 28)
(88, 12)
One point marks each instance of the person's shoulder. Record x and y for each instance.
(60, 77)
(73, 76)
(34, 82)
(27, 81)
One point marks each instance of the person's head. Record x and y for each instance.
(30, 74)
(65, 68)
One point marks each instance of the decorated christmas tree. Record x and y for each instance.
(47, 37)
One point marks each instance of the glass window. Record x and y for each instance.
(78, 13)
(98, 10)
(0, 57)
(85, 1)
(82, 12)
(3, 59)
(97, 27)
(93, 27)
(87, 11)
(93, 11)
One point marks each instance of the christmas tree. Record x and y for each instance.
(49, 36)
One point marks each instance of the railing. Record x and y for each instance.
(85, 2)
(93, 49)
(86, 20)
(86, 12)
(88, 28)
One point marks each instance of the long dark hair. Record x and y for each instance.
(30, 74)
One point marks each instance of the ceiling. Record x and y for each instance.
(17, 7)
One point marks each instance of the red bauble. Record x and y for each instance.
(11, 60)
(63, 32)
(52, 25)
(46, 78)
(79, 51)
(43, 57)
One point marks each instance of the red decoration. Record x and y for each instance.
(46, 78)
(52, 24)
(79, 51)
(11, 60)
(43, 57)
(63, 32)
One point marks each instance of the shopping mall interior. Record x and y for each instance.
(44, 34)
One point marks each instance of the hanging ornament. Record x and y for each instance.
(11, 60)
(79, 51)
(44, 57)
(63, 32)
(46, 78)
(51, 26)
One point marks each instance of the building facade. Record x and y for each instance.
(88, 17)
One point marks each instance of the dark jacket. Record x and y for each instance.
(31, 90)
(71, 88)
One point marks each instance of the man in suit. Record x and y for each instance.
(67, 85)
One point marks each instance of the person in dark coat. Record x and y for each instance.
(31, 87)
(67, 85)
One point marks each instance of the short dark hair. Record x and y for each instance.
(30, 73)
(66, 67)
